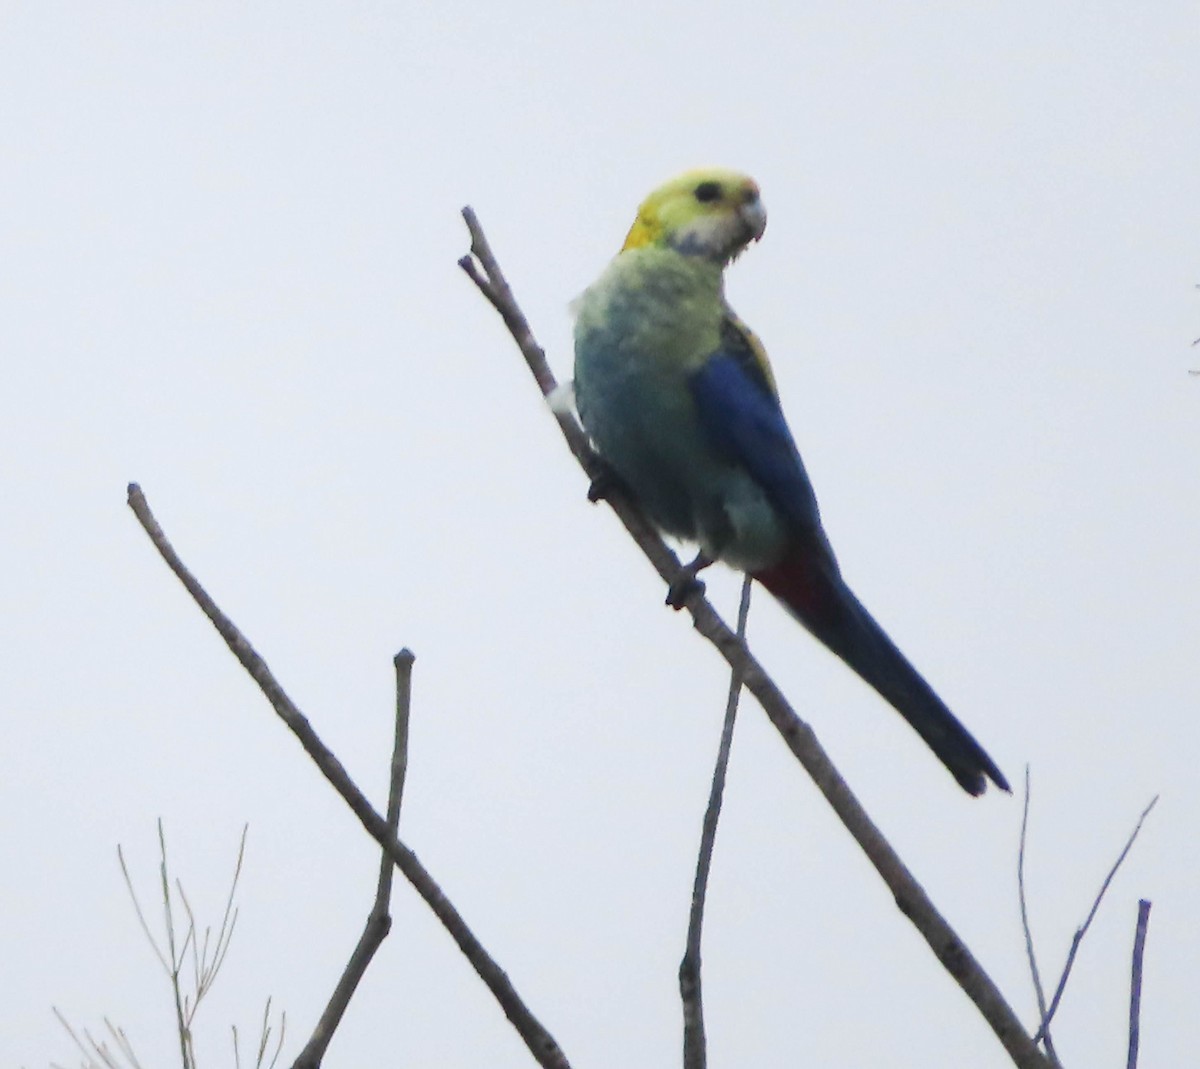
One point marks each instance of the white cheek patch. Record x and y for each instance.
(706, 236)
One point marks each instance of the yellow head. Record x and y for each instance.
(711, 213)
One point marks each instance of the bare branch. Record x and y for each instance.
(403, 662)
(695, 1052)
(137, 908)
(230, 916)
(88, 1047)
(1033, 965)
(96, 1052)
(379, 921)
(1080, 932)
(264, 1041)
(182, 1021)
(123, 1044)
(1135, 983)
(207, 955)
(539, 1041)
(910, 897)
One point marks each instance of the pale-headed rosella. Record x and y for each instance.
(680, 402)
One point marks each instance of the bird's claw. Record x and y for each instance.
(604, 481)
(686, 583)
(682, 588)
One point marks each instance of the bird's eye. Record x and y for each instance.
(708, 191)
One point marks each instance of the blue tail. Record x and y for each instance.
(810, 587)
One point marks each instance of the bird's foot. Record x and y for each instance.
(686, 583)
(604, 481)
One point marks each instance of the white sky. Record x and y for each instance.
(229, 241)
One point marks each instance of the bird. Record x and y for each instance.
(678, 399)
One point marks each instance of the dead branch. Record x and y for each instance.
(539, 1041)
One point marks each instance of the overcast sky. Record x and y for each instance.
(229, 237)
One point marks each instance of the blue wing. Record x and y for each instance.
(740, 412)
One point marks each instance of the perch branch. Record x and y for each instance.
(483, 269)
(539, 1041)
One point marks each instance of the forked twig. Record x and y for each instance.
(206, 960)
(481, 266)
(539, 1041)
(1081, 931)
(264, 1041)
(206, 957)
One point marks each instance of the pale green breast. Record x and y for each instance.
(660, 305)
(641, 332)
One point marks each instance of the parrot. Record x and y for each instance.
(679, 401)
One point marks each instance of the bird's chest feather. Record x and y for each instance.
(642, 333)
(642, 329)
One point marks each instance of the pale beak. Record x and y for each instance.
(754, 217)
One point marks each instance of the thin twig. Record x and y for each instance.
(1033, 965)
(909, 895)
(89, 1049)
(265, 1037)
(694, 1044)
(137, 908)
(1080, 932)
(379, 921)
(207, 955)
(230, 916)
(1135, 983)
(181, 1016)
(199, 950)
(96, 1053)
(539, 1041)
(123, 1044)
